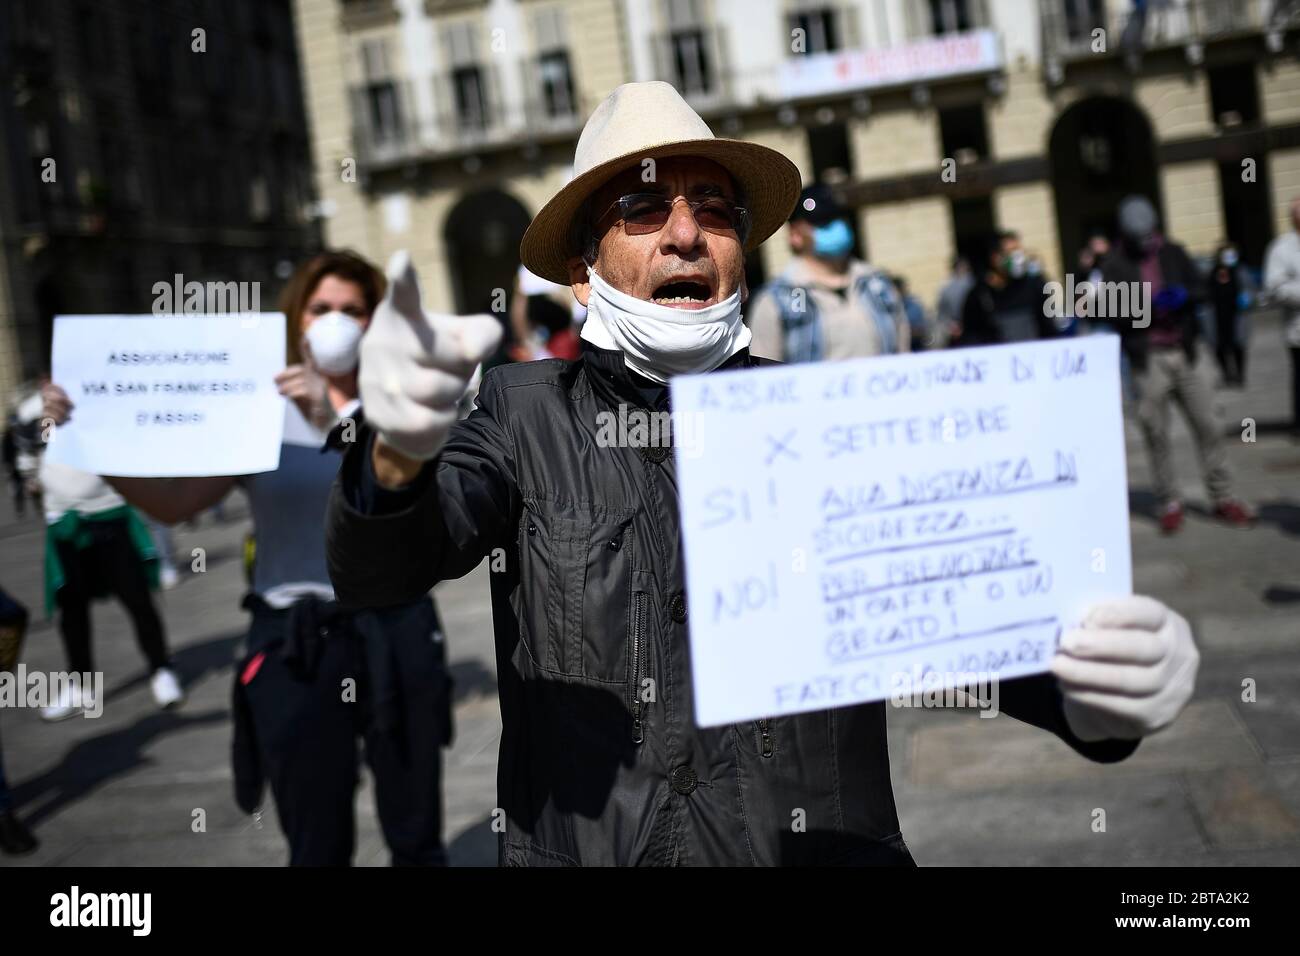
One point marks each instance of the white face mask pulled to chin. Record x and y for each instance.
(658, 341)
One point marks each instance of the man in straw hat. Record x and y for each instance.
(601, 761)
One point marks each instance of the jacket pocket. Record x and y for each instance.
(576, 573)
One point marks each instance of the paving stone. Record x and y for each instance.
(1241, 634)
(1002, 752)
(1242, 807)
(1051, 824)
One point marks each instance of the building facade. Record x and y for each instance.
(142, 140)
(442, 125)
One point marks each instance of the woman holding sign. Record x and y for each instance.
(314, 676)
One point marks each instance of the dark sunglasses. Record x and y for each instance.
(643, 213)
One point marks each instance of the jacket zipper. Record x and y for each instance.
(638, 635)
(765, 728)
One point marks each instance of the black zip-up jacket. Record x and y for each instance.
(588, 605)
(1013, 312)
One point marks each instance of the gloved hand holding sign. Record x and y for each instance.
(1128, 671)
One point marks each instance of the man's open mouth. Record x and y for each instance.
(683, 294)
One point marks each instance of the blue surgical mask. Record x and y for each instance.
(833, 240)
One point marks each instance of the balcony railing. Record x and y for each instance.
(550, 110)
(931, 18)
(468, 113)
(383, 122)
(468, 107)
(359, 14)
(1069, 26)
(693, 59)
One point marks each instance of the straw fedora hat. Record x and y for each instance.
(640, 120)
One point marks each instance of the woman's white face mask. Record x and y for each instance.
(658, 341)
(334, 340)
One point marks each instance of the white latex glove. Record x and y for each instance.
(1128, 671)
(415, 366)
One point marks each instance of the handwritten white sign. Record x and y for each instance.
(851, 527)
(170, 395)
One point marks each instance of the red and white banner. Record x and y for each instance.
(953, 55)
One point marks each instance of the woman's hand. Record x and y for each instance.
(56, 405)
(308, 390)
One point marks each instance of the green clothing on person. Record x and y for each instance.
(71, 528)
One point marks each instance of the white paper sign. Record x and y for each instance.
(853, 527)
(170, 395)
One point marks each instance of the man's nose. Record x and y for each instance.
(681, 233)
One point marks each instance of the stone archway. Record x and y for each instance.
(481, 236)
(1101, 150)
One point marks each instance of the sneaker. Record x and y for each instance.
(166, 688)
(1171, 519)
(168, 578)
(71, 701)
(15, 838)
(1234, 513)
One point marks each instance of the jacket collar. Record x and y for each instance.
(612, 380)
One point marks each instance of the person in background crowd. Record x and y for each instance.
(952, 298)
(166, 548)
(1067, 323)
(918, 328)
(313, 677)
(24, 432)
(1092, 257)
(1092, 260)
(1162, 349)
(543, 319)
(96, 545)
(16, 482)
(1007, 304)
(15, 838)
(1033, 265)
(1282, 285)
(1226, 294)
(826, 304)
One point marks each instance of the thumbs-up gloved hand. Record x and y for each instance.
(415, 366)
(1128, 671)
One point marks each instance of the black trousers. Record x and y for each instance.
(19, 487)
(1228, 350)
(108, 566)
(378, 677)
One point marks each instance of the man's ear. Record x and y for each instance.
(579, 281)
